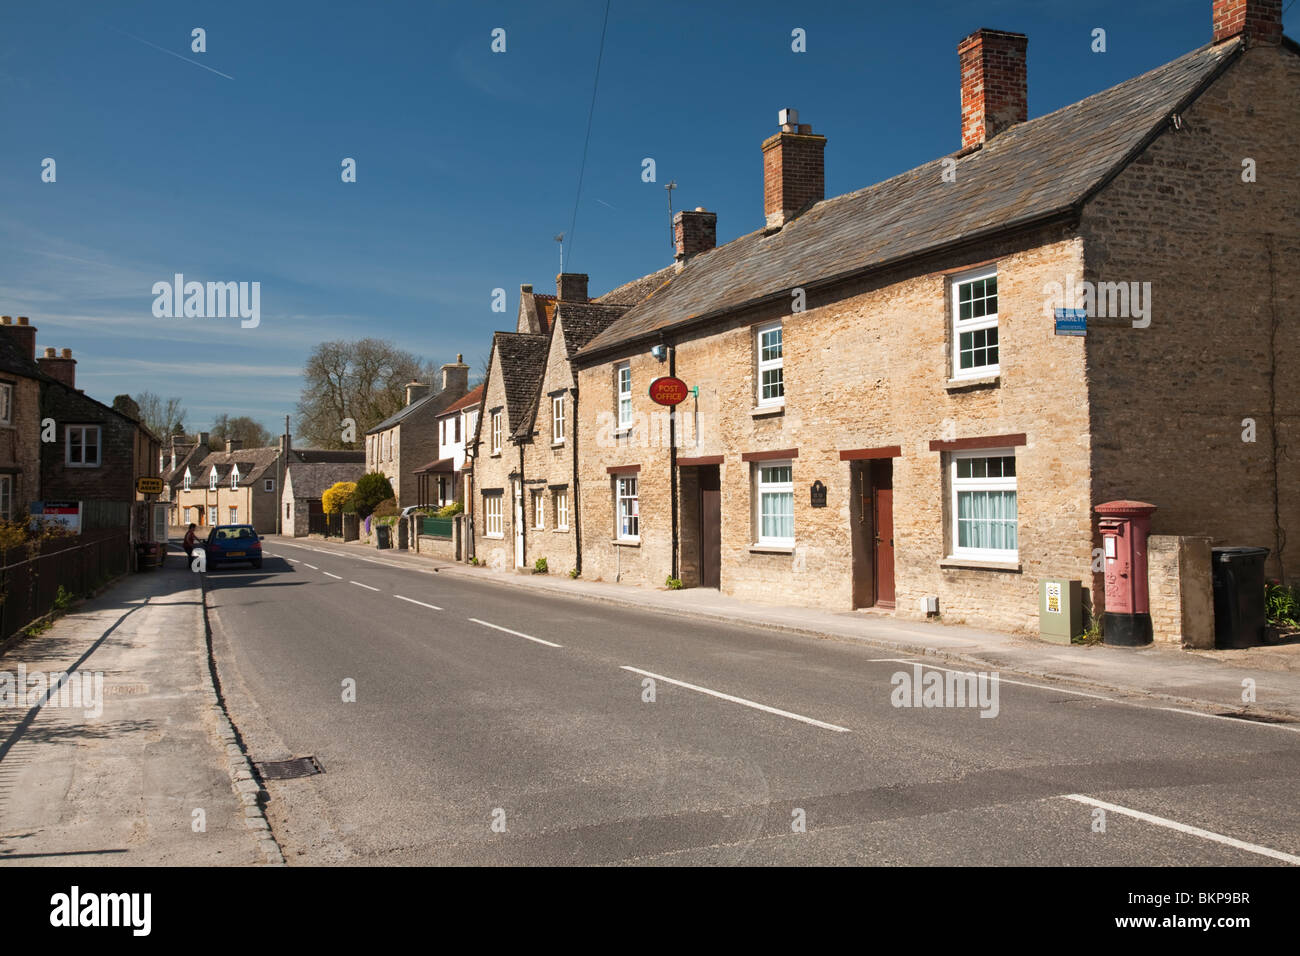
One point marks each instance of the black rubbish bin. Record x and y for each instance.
(1240, 615)
(382, 535)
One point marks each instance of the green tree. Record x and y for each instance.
(252, 433)
(372, 488)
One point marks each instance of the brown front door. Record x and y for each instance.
(710, 527)
(860, 531)
(882, 479)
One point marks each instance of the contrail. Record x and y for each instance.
(177, 55)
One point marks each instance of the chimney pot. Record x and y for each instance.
(6, 320)
(49, 352)
(794, 170)
(455, 378)
(1259, 21)
(571, 287)
(67, 353)
(22, 320)
(994, 84)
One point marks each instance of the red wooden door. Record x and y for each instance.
(884, 547)
(710, 528)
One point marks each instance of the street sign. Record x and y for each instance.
(149, 486)
(668, 391)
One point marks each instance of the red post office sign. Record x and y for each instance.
(668, 391)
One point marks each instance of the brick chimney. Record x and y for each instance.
(794, 170)
(203, 440)
(994, 84)
(455, 375)
(694, 231)
(24, 335)
(63, 368)
(416, 391)
(234, 444)
(571, 287)
(1259, 21)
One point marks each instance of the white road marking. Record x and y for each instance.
(312, 566)
(1236, 720)
(741, 700)
(1184, 828)
(366, 586)
(1068, 691)
(431, 607)
(515, 633)
(336, 576)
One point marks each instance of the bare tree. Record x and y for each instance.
(363, 380)
(163, 417)
(252, 434)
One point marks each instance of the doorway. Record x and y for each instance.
(710, 526)
(871, 513)
(519, 524)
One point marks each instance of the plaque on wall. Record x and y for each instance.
(818, 495)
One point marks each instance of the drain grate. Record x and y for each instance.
(1257, 718)
(290, 769)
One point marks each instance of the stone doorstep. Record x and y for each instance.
(974, 658)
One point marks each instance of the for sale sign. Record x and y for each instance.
(66, 513)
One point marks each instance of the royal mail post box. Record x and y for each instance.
(1124, 527)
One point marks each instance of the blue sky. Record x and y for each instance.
(467, 160)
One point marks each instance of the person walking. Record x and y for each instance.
(190, 541)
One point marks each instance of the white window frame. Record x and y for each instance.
(188, 479)
(492, 518)
(7, 497)
(557, 420)
(768, 365)
(627, 507)
(496, 433)
(539, 510)
(974, 324)
(7, 405)
(960, 485)
(189, 517)
(67, 446)
(764, 487)
(233, 513)
(234, 478)
(623, 395)
(212, 479)
(562, 509)
(268, 484)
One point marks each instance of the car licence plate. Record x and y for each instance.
(234, 554)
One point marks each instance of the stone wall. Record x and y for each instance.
(1183, 409)
(1179, 581)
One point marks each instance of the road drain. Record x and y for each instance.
(1257, 718)
(289, 769)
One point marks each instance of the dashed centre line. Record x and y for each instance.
(336, 576)
(1184, 828)
(742, 701)
(366, 586)
(527, 637)
(312, 566)
(432, 607)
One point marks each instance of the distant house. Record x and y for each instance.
(20, 418)
(305, 483)
(441, 482)
(408, 439)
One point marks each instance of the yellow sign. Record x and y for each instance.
(149, 486)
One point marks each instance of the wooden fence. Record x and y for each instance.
(30, 576)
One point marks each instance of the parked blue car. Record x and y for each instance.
(233, 543)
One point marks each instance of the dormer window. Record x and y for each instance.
(212, 480)
(188, 479)
(234, 478)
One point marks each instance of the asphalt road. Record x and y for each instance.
(494, 725)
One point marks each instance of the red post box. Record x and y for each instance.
(1124, 528)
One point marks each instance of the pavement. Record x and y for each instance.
(462, 718)
(1218, 681)
(126, 764)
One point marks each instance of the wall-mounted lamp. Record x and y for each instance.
(660, 352)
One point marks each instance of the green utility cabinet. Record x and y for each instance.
(1060, 610)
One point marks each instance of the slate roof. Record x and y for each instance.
(309, 479)
(473, 397)
(583, 321)
(522, 357)
(447, 465)
(252, 462)
(1031, 171)
(338, 456)
(630, 293)
(434, 402)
